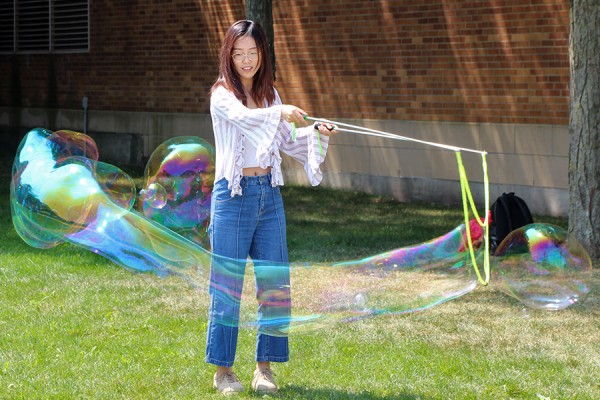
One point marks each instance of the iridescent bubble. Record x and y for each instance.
(58, 194)
(403, 280)
(184, 168)
(153, 196)
(360, 299)
(543, 267)
(56, 180)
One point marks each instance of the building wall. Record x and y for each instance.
(490, 75)
(427, 60)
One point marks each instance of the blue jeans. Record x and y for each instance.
(253, 225)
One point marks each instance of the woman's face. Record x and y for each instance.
(246, 58)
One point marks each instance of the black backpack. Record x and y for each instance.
(509, 212)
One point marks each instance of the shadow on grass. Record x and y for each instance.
(295, 391)
(12, 246)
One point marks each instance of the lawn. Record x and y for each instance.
(75, 325)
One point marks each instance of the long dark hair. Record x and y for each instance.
(262, 84)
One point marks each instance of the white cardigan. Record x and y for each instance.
(234, 123)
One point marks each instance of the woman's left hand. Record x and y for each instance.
(327, 129)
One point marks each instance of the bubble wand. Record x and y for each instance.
(467, 198)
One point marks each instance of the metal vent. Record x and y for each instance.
(44, 26)
(7, 27)
(33, 26)
(70, 28)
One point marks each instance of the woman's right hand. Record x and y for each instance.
(294, 114)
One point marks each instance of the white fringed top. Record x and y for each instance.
(235, 125)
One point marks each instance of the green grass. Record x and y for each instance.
(328, 225)
(75, 325)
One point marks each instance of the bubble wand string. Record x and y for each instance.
(467, 198)
(374, 132)
(466, 193)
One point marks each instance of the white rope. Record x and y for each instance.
(373, 132)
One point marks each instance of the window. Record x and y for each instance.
(44, 26)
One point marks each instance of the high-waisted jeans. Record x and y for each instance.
(252, 224)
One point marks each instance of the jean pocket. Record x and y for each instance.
(221, 194)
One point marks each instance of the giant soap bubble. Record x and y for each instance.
(58, 183)
(61, 192)
(178, 185)
(540, 265)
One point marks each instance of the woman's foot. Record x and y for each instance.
(227, 383)
(263, 381)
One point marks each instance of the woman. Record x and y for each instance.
(251, 126)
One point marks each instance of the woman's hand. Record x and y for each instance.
(326, 129)
(293, 114)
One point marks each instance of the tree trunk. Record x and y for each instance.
(584, 125)
(261, 11)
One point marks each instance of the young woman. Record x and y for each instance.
(251, 127)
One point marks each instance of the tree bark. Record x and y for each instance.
(261, 11)
(584, 125)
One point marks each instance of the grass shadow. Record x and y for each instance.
(302, 392)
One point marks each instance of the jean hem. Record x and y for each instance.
(272, 359)
(219, 363)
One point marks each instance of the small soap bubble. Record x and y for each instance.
(154, 196)
(360, 300)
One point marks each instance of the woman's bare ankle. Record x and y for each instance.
(263, 365)
(222, 370)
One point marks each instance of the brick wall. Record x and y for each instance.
(455, 60)
(144, 56)
(488, 75)
(496, 61)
